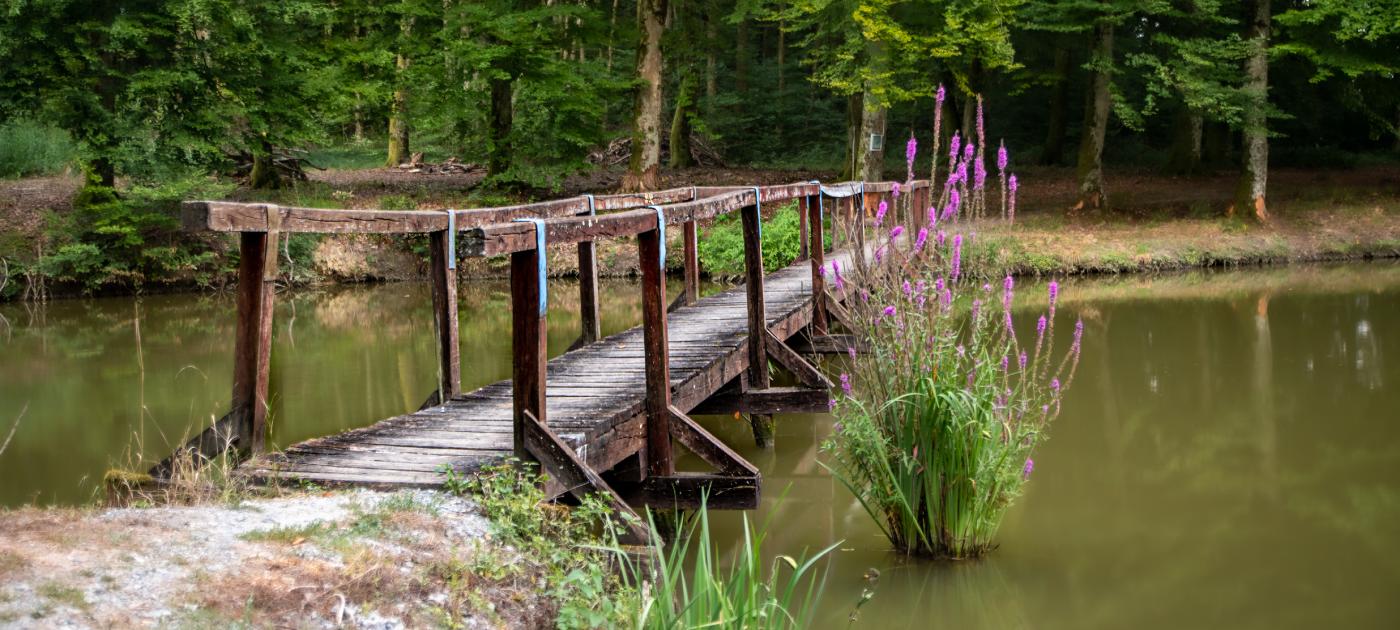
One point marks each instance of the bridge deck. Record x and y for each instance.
(594, 398)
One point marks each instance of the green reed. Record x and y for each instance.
(941, 413)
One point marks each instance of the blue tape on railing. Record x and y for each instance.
(821, 206)
(592, 208)
(693, 194)
(661, 236)
(451, 239)
(540, 256)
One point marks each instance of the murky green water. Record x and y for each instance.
(1229, 455)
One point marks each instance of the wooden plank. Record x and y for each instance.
(257, 289)
(658, 378)
(806, 373)
(708, 447)
(444, 279)
(225, 216)
(691, 490)
(576, 477)
(753, 287)
(529, 338)
(766, 401)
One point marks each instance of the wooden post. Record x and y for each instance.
(860, 204)
(445, 315)
(817, 248)
(588, 294)
(692, 262)
(529, 330)
(757, 375)
(658, 394)
(252, 351)
(803, 211)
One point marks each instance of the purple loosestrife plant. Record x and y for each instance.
(1011, 201)
(937, 132)
(880, 213)
(911, 149)
(941, 416)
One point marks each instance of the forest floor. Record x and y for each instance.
(306, 559)
(1154, 221)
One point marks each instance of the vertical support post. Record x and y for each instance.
(692, 262)
(252, 353)
(803, 212)
(757, 375)
(817, 248)
(861, 205)
(529, 333)
(441, 256)
(650, 248)
(588, 294)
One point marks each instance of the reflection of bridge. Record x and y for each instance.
(613, 404)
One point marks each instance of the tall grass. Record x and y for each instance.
(689, 584)
(938, 420)
(29, 148)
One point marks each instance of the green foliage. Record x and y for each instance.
(722, 244)
(129, 240)
(939, 418)
(30, 148)
(564, 546)
(692, 586)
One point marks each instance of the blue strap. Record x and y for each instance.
(592, 208)
(661, 234)
(451, 239)
(821, 209)
(693, 194)
(758, 209)
(540, 256)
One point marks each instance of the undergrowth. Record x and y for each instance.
(722, 244)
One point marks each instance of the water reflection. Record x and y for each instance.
(1229, 455)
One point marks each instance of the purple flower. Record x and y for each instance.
(980, 126)
(831, 405)
(1078, 339)
(1040, 328)
(889, 311)
(939, 95)
(1011, 183)
(979, 175)
(947, 298)
(938, 285)
(880, 213)
(1026, 470)
(1011, 201)
(962, 171)
(895, 191)
(954, 146)
(911, 148)
(932, 215)
(1055, 385)
(1022, 359)
(908, 289)
(821, 272)
(846, 383)
(921, 240)
(851, 350)
(968, 150)
(942, 238)
(864, 295)
(1054, 289)
(1005, 362)
(1001, 157)
(896, 231)
(879, 254)
(957, 256)
(1007, 292)
(836, 273)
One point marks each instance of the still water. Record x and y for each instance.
(1229, 455)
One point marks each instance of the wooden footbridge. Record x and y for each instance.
(601, 418)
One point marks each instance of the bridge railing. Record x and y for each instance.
(523, 232)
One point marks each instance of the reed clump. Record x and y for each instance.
(939, 416)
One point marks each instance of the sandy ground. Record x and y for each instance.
(297, 560)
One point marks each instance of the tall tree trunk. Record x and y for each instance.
(1185, 154)
(1054, 148)
(1255, 175)
(644, 171)
(398, 115)
(1091, 188)
(855, 106)
(680, 126)
(711, 71)
(871, 164)
(502, 120)
(741, 56)
(264, 174)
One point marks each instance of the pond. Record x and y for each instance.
(1229, 455)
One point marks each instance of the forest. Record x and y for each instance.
(150, 88)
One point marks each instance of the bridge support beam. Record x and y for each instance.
(816, 248)
(692, 262)
(757, 375)
(252, 351)
(445, 315)
(530, 354)
(657, 361)
(591, 328)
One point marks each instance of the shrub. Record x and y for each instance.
(939, 418)
(721, 248)
(29, 148)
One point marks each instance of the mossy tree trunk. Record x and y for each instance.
(680, 126)
(870, 164)
(643, 172)
(1090, 170)
(264, 175)
(1255, 156)
(399, 150)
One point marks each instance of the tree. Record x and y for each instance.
(643, 172)
(1254, 175)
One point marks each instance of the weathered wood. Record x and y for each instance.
(837, 312)
(691, 490)
(691, 240)
(766, 401)
(708, 447)
(802, 227)
(753, 286)
(806, 373)
(817, 250)
(529, 338)
(591, 327)
(444, 279)
(575, 476)
(257, 289)
(658, 376)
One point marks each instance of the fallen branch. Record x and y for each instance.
(13, 428)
